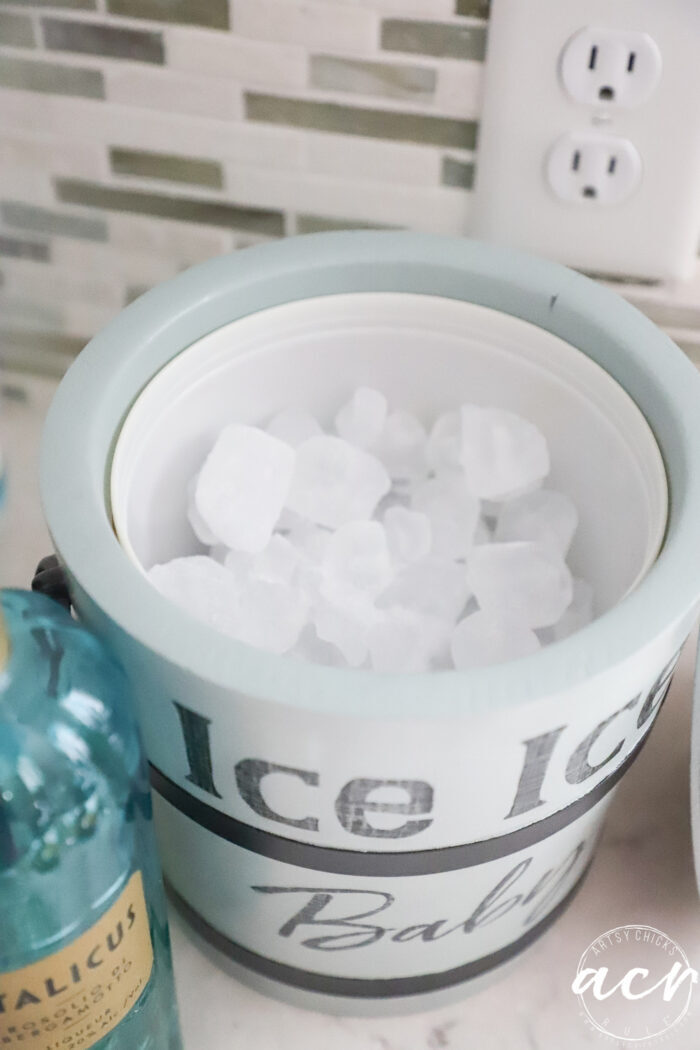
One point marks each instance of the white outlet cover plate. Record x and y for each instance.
(600, 62)
(593, 164)
(654, 232)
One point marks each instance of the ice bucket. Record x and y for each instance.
(350, 840)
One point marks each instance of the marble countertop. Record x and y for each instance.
(643, 871)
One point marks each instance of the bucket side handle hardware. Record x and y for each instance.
(50, 579)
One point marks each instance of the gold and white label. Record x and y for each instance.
(73, 998)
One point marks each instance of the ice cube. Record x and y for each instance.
(293, 425)
(483, 533)
(406, 640)
(299, 529)
(288, 521)
(243, 485)
(315, 544)
(341, 555)
(199, 526)
(444, 446)
(311, 542)
(490, 509)
(525, 581)
(433, 587)
(579, 612)
(408, 533)
(201, 586)
(490, 638)
(278, 563)
(502, 453)
(396, 497)
(237, 563)
(402, 488)
(356, 559)
(257, 612)
(453, 512)
(312, 649)
(545, 516)
(335, 483)
(361, 420)
(401, 446)
(310, 579)
(219, 552)
(347, 628)
(398, 642)
(270, 615)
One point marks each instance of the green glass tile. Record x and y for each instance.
(43, 220)
(372, 78)
(64, 344)
(134, 292)
(621, 278)
(96, 38)
(167, 166)
(82, 5)
(321, 224)
(13, 391)
(16, 30)
(441, 39)
(668, 315)
(15, 248)
(691, 349)
(210, 13)
(41, 352)
(473, 8)
(457, 173)
(212, 213)
(350, 120)
(28, 75)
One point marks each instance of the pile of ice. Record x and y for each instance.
(380, 544)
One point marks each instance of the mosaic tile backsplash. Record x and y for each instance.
(138, 137)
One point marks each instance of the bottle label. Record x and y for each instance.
(73, 998)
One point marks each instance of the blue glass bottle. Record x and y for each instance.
(84, 948)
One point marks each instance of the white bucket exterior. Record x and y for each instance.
(366, 840)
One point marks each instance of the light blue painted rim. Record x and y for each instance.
(99, 388)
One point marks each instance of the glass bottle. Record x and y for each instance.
(84, 948)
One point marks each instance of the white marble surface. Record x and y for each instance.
(643, 871)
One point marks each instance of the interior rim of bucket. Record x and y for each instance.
(505, 335)
(143, 338)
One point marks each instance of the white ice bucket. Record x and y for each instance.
(350, 840)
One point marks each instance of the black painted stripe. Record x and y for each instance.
(356, 862)
(369, 988)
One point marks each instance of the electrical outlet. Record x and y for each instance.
(543, 102)
(593, 169)
(616, 67)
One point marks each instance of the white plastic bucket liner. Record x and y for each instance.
(427, 355)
